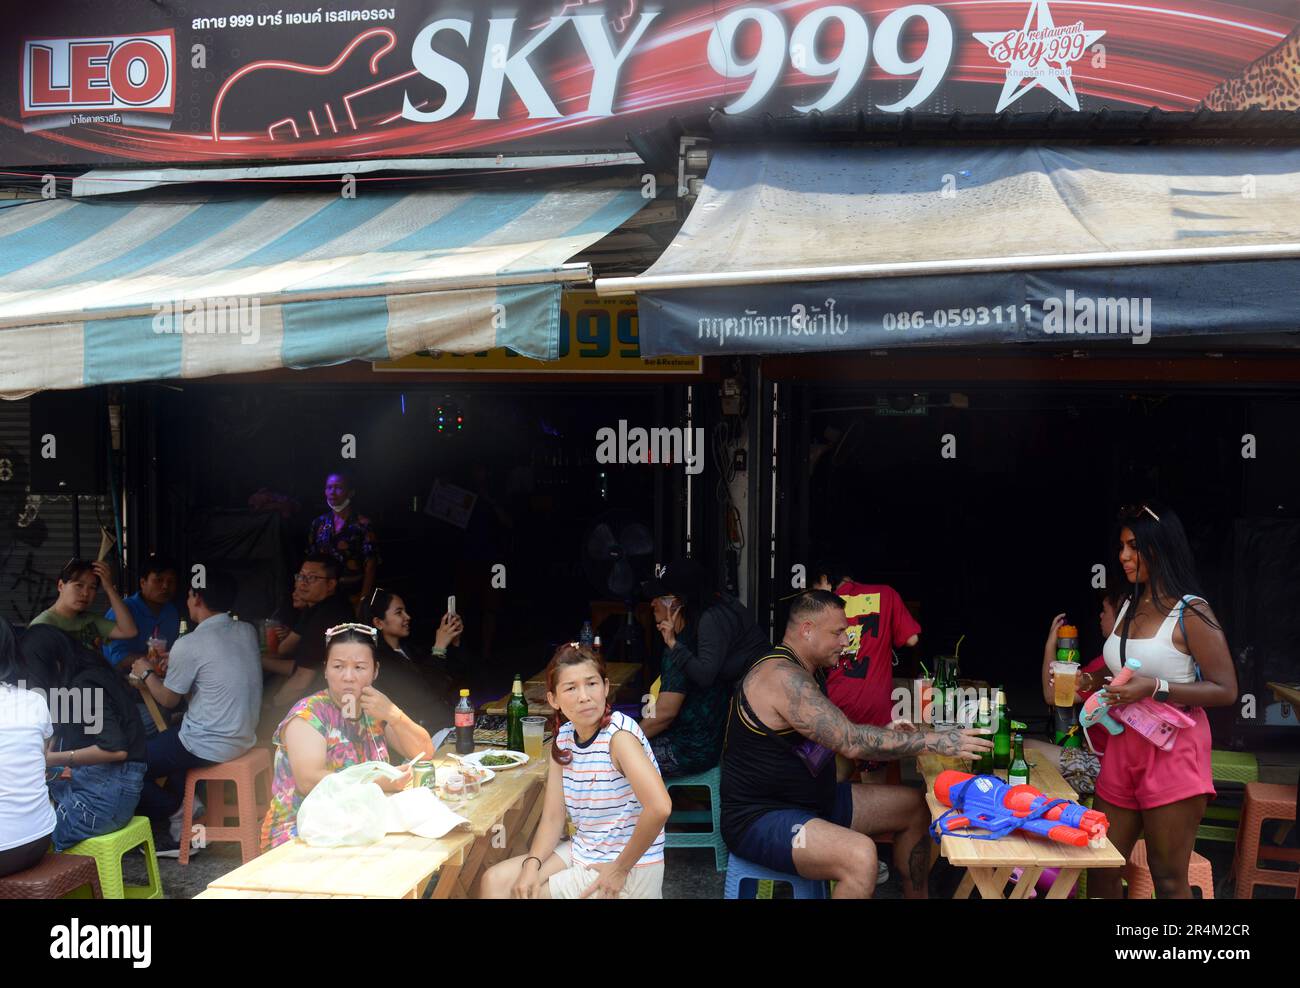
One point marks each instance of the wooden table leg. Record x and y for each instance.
(530, 812)
(1064, 883)
(986, 882)
(966, 887)
(1029, 877)
(473, 864)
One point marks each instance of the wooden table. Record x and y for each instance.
(989, 863)
(501, 824)
(620, 674)
(1287, 693)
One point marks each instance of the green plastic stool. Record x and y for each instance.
(710, 779)
(108, 850)
(1220, 822)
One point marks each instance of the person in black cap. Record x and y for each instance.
(709, 634)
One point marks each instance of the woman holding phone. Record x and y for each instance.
(420, 686)
(1185, 663)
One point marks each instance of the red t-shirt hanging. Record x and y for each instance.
(862, 684)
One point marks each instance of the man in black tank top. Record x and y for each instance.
(781, 805)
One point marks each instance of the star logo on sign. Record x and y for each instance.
(1039, 55)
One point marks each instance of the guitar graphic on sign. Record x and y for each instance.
(334, 116)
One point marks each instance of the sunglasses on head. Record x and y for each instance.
(1134, 510)
(338, 629)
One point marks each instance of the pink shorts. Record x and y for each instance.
(1137, 775)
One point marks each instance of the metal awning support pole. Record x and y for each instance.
(950, 266)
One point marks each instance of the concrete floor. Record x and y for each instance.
(690, 872)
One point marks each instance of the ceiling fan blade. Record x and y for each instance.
(636, 540)
(600, 542)
(622, 579)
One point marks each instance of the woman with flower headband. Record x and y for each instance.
(603, 775)
(1185, 662)
(347, 723)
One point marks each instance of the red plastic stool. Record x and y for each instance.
(1264, 801)
(244, 772)
(1200, 875)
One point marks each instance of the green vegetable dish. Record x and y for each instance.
(492, 761)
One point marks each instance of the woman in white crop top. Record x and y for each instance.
(1143, 790)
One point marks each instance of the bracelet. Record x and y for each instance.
(533, 857)
(439, 653)
(72, 757)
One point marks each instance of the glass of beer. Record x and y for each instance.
(1066, 677)
(534, 736)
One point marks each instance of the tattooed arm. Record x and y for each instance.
(802, 704)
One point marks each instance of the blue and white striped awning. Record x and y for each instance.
(94, 292)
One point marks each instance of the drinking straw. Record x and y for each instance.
(957, 650)
(924, 669)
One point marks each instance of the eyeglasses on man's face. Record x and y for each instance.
(308, 577)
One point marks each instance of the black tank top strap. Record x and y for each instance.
(746, 712)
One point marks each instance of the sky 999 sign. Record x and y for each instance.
(133, 80)
(833, 43)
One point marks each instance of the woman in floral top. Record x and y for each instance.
(346, 723)
(346, 536)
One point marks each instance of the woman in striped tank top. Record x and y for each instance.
(605, 778)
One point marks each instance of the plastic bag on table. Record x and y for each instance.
(347, 808)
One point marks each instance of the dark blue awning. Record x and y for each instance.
(823, 248)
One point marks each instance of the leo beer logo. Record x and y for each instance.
(133, 73)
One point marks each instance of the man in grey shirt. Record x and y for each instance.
(218, 667)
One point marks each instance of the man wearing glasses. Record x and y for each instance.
(300, 655)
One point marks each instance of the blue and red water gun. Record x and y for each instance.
(985, 801)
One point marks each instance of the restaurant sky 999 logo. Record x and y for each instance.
(132, 73)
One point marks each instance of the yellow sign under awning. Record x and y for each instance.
(597, 336)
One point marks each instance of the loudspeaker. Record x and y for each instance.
(67, 441)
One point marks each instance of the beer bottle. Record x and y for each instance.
(1018, 772)
(464, 725)
(516, 711)
(984, 721)
(1002, 734)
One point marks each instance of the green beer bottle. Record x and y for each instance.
(1002, 734)
(984, 721)
(1018, 772)
(516, 711)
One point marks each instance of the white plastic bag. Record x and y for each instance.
(347, 808)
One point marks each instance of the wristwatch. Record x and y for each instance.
(1162, 690)
(147, 674)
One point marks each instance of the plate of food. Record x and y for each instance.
(498, 761)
